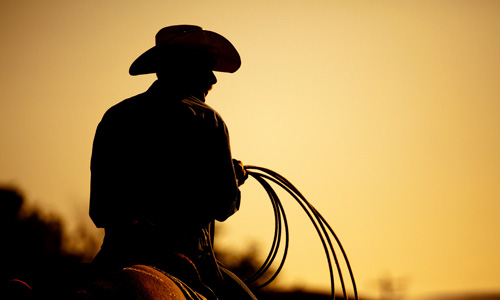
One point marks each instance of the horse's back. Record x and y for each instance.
(139, 282)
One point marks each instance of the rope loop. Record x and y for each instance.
(324, 230)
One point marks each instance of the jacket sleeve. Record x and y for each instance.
(218, 175)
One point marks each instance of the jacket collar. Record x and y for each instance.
(163, 90)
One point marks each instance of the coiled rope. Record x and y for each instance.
(264, 176)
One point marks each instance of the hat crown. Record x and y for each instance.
(170, 32)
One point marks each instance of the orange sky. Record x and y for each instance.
(385, 114)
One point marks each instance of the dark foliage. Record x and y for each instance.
(34, 248)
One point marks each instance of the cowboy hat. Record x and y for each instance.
(188, 39)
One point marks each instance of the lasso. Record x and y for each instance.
(264, 176)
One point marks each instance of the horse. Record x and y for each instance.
(134, 282)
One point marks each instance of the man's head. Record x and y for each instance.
(187, 70)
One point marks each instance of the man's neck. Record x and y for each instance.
(179, 90)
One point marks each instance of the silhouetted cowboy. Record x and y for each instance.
(161, 165)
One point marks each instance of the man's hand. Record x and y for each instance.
(240, 172)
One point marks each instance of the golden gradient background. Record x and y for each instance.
(385, 114)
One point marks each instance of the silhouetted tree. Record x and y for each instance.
(34, 246)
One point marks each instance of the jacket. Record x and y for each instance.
(162, 157)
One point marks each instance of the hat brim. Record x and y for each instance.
(225, 56)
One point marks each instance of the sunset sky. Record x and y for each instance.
(385, 114)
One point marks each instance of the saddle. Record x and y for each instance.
(138, 282)
(145, 282)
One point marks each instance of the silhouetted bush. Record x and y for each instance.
(32, 241)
